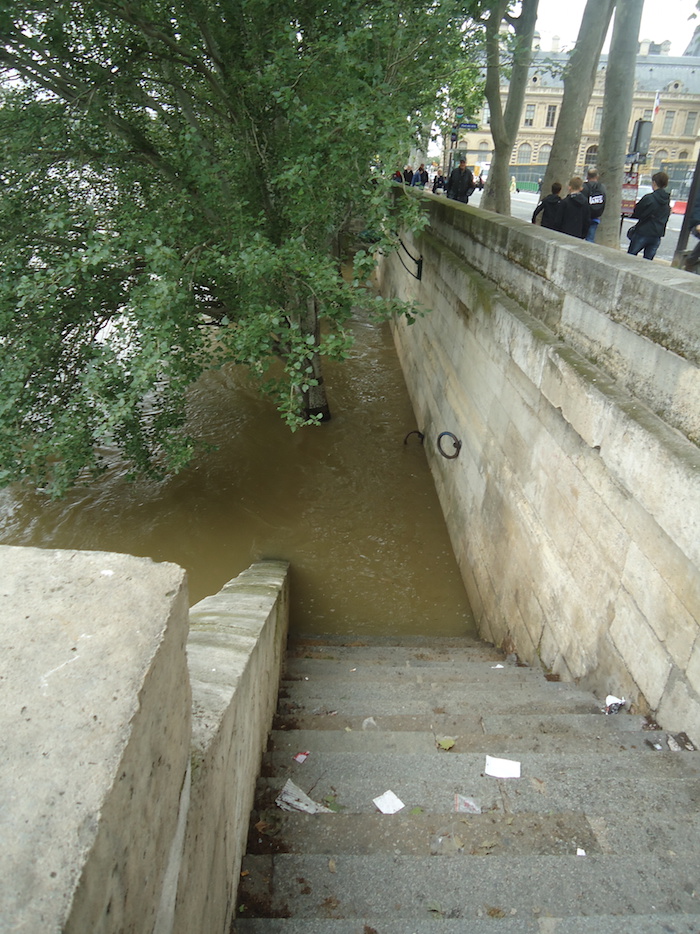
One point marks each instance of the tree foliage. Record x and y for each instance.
(175, 176)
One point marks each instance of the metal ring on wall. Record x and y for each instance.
(455, 440)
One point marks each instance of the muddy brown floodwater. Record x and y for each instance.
(349, 505)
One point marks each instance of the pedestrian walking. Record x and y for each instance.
(460, 184)
(595, 192)
(550, 209)
(575, 217)
(652, 213)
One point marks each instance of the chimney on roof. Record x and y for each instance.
(644, 46)
(555, 43)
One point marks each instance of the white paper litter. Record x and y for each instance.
(497, 666)
(502, 768)
(292, 798)
(580, 851)
(301, 756)
(611, 699)
(388, 803)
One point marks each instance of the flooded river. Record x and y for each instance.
(349, 505)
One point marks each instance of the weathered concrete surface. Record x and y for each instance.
(124, 793)
(570, 374)
(94, 737)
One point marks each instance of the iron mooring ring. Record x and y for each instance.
(455, 440)
(414, 432)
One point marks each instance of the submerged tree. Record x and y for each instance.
(174, 177)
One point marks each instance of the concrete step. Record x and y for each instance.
(460, 835)
(418, 889)
(380, 698)
(553, 783)
(431, 645)
(467, 673)
(600, 924)
(326, 717)
(412, 741)
(369, 716)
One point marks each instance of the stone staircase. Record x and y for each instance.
(598, 835)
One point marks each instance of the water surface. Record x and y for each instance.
(349, 505)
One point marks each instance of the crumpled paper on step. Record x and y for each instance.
(292, 798)
(613, 704)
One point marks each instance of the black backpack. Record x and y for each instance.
(596, 198)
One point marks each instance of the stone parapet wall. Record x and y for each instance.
(129, 749)
(574, 503)
(235, 652)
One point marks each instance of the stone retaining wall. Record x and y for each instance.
(570, 374)
(129, 749)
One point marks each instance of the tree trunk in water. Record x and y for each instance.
(505, 122)
(617, 108)
(579, 80)
(314, 400)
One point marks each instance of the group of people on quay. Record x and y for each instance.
(459, 185)
(577, 214)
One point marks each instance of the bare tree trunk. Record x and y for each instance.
(579, 79)
(617, 108)
(505, 122)
(314, 400)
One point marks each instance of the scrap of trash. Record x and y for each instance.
(613, 704)
(676, 743)
(292, 798)
(388, 803)
(502, 768)
(464, 805)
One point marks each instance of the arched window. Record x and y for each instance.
(661, 156)
(683, 154)
(524, 154)
(591, 155)
(543, 154)
(484, 146)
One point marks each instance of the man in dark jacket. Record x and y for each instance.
(652, 213)
(575, 217)
(460, 183)
(595, 192)
(550, 208)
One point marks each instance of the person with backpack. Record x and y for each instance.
(550, 208)
(575, 213)
(652, 213)
(594, 191)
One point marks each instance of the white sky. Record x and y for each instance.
(661, 20)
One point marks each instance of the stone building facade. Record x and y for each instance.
(675, 113)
